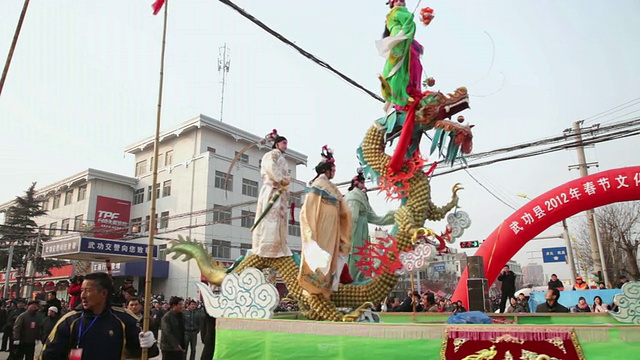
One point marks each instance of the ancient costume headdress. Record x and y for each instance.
(327, 162)
(276, 138)
(357, 178)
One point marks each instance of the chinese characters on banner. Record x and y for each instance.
(112, 217)
(113, 247)
(606, 184)
(62, 247)
(589, 192)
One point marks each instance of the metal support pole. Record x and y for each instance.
(572, 265)
(8, 274)
(605, 272)
(14, 42)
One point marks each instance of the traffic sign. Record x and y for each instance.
(557, 254)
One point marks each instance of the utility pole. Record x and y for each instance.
(565, 234)
(583, 166)
(8, 273)
(31, 270)
(224, 63)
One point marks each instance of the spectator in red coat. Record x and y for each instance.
(74, 291)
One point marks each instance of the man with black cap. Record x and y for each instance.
(270, 235)
(26, 331)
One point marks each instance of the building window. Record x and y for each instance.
(136, 225)
(56, 201)
(68, 197)
(244, 248)
(164, 220)
(141, 167)
(221, 249)
(248, 218)
(82, 192)
(168, 158)
(160, 160)
(45, 204)
(249, 188)
(65, 226)
(138, 196)
(294, 230)
(162, 252)
(244, 158)
(221, 181)
(151, 164)
(42, 229)
(221, 214)
(296, 199)
(147, 223)
(77, 222)
(166, 188)
(211, 149)
(150, 188)
(52, 228)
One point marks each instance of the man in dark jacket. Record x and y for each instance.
(48, 323)
(508, 279)
(52, 300)
(12, 315)
(172, 339)
(208, 336)
(100, 330)
(26, 332)
(555, 283)
(551, 305)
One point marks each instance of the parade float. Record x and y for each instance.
(341, 325)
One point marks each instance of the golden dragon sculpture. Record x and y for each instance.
(416, 207)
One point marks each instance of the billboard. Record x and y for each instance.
(112, 217)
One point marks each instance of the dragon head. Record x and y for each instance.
(435, 106)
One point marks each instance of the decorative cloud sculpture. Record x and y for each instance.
(628, 304)
(459, 221)
(247, 295)
(416, 259)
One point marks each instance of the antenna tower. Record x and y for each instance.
(224, 63)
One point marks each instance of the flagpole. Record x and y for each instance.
(5, 71)
(152, 215)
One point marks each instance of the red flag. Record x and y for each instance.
(157, 6)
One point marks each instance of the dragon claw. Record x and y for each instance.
(355, 314)
(416, 233)
(457, 187)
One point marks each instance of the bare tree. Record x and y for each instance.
(620, 224)
(619, 232)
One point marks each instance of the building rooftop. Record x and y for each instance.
(215, 125)
(86, 175)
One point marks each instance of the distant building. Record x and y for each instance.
(533, 274)
(77, 203)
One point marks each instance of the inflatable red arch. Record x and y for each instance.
(579, 195)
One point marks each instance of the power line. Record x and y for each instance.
(304, 53)
(489, 191)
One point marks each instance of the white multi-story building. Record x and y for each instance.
(194, 198)
(76, 202)
(73, 201)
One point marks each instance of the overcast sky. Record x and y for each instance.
(83, 84)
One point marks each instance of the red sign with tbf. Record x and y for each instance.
(112, 217)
